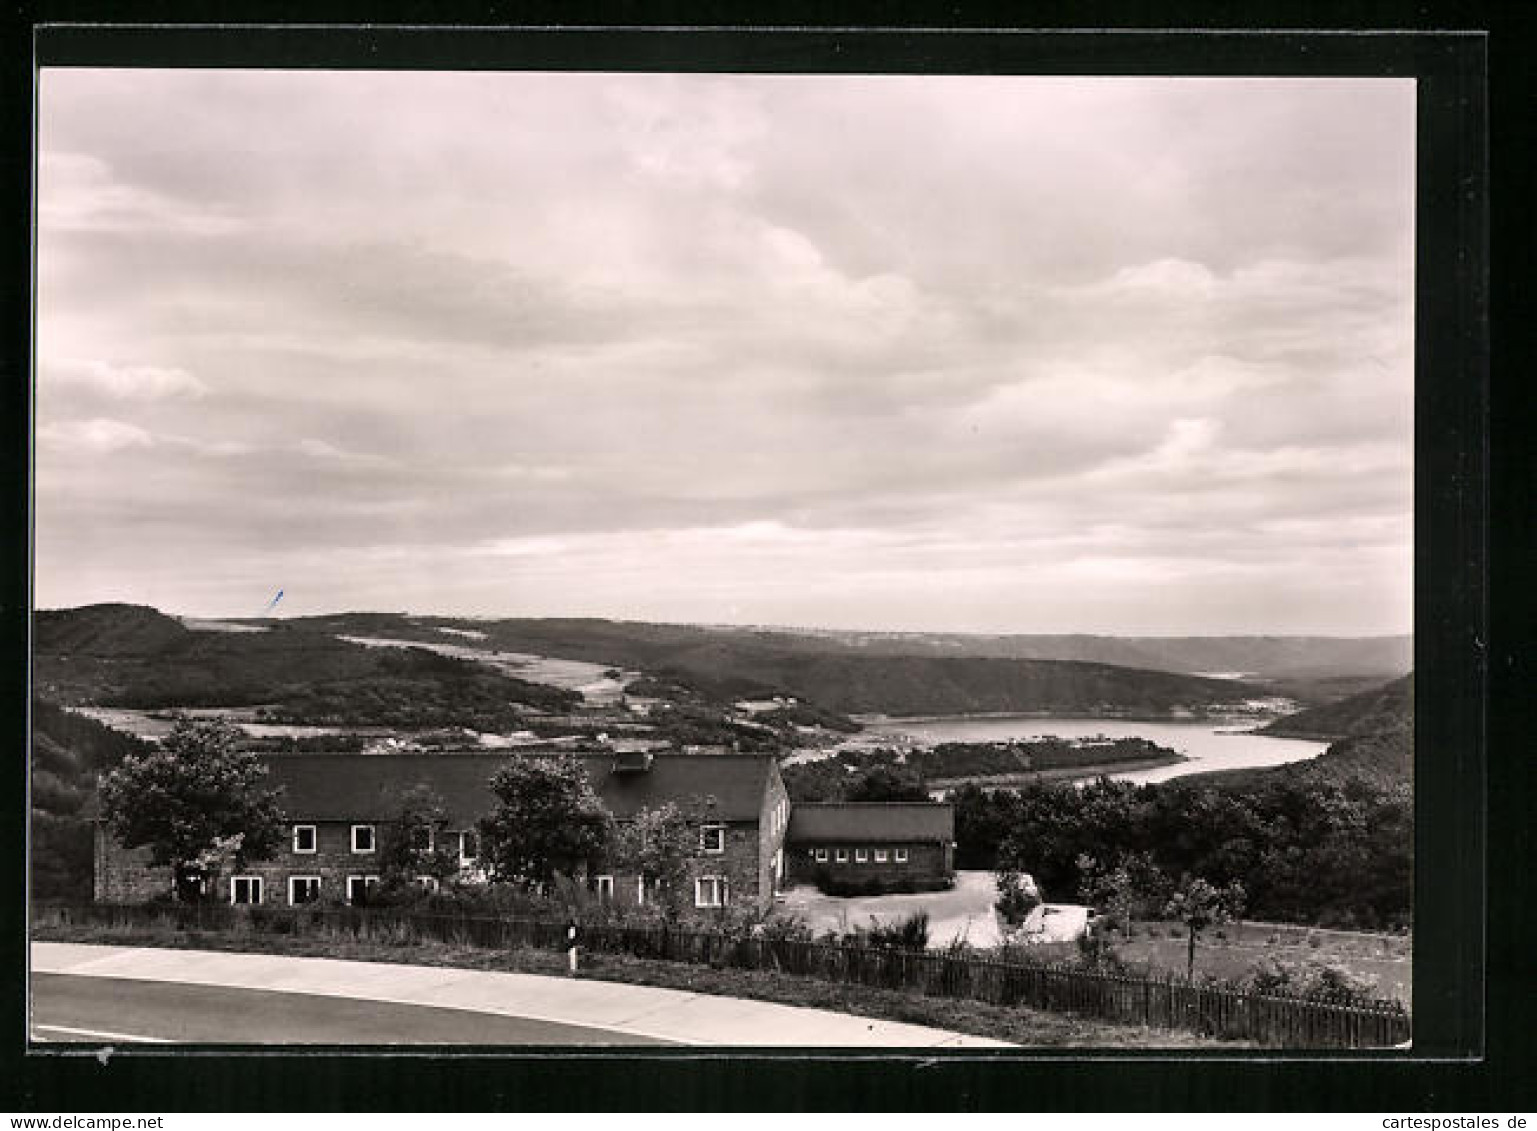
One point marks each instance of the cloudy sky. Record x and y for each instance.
(992, 354)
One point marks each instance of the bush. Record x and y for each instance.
(1018, 895)
(909, 933)
(827, 884)
(1310, 978)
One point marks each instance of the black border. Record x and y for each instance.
(1452, 631)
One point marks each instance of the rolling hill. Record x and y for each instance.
(728, 663)
(133, 656)
(1380, 709)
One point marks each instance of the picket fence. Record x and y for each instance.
(1220, 1011)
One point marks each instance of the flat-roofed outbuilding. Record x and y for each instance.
(893, 842)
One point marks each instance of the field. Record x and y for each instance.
(1229, 953)
(966, 912)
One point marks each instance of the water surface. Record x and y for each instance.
(1208, 746)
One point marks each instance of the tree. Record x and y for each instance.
(887, 783)
(1129, 886)
(657, 844)
(197, 802)
(1198, 904)
(549, 820)
(410, 846)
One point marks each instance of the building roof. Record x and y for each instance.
(872, 821)
(363, 787)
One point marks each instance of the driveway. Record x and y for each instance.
(964, 912)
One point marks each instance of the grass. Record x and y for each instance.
(1157, 950)
(1018, 1025)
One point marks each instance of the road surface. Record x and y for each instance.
(223, 996)
(66, 1008)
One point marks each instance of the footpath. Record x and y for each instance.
(643, 1011)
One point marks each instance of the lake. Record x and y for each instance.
(1209, 746)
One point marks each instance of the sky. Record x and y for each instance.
(965, 353)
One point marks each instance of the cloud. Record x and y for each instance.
(321, 450)
(93, 437)
(967, 350)
(126, 382)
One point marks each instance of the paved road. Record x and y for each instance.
(66, 1008)
(582, 1009)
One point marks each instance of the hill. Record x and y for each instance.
(1373, 735)
(131, 656)
(1264, 657)
(68, 751)
(727, 663)
(106, 630)
(1385, 708)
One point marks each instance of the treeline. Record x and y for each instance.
(469, 696)
(1321, 849)
(991, 759)
(884, 774)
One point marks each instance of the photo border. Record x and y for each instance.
(1450, 561)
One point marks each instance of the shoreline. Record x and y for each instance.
(866, 721)
(1060, 773)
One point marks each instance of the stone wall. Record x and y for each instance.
(125, 875)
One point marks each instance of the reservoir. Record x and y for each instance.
(1208, 745)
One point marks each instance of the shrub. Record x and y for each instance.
(1310, 978)
(1017, 895)
(872, 885)
(908, 933)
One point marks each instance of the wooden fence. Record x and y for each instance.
(1224, 1012)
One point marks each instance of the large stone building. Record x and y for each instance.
(751, 843)
(337, 805)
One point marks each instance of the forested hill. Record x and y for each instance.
(106, 630)
(132, 656)
(1386, 708)
(642, 644)
(919, 685)
(724, 663)
(68, 751)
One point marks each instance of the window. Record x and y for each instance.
(712, 839)
(901, 855)
(821, 855)
(362, 838)
(880, 856)
(421, 838)
(303, 889)
(861, 855)
(245, 889)
(469, 846)
(710, 891)
(605, 888)
(304, 838)
(645, 890)
(843, 856)
(358, 888)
